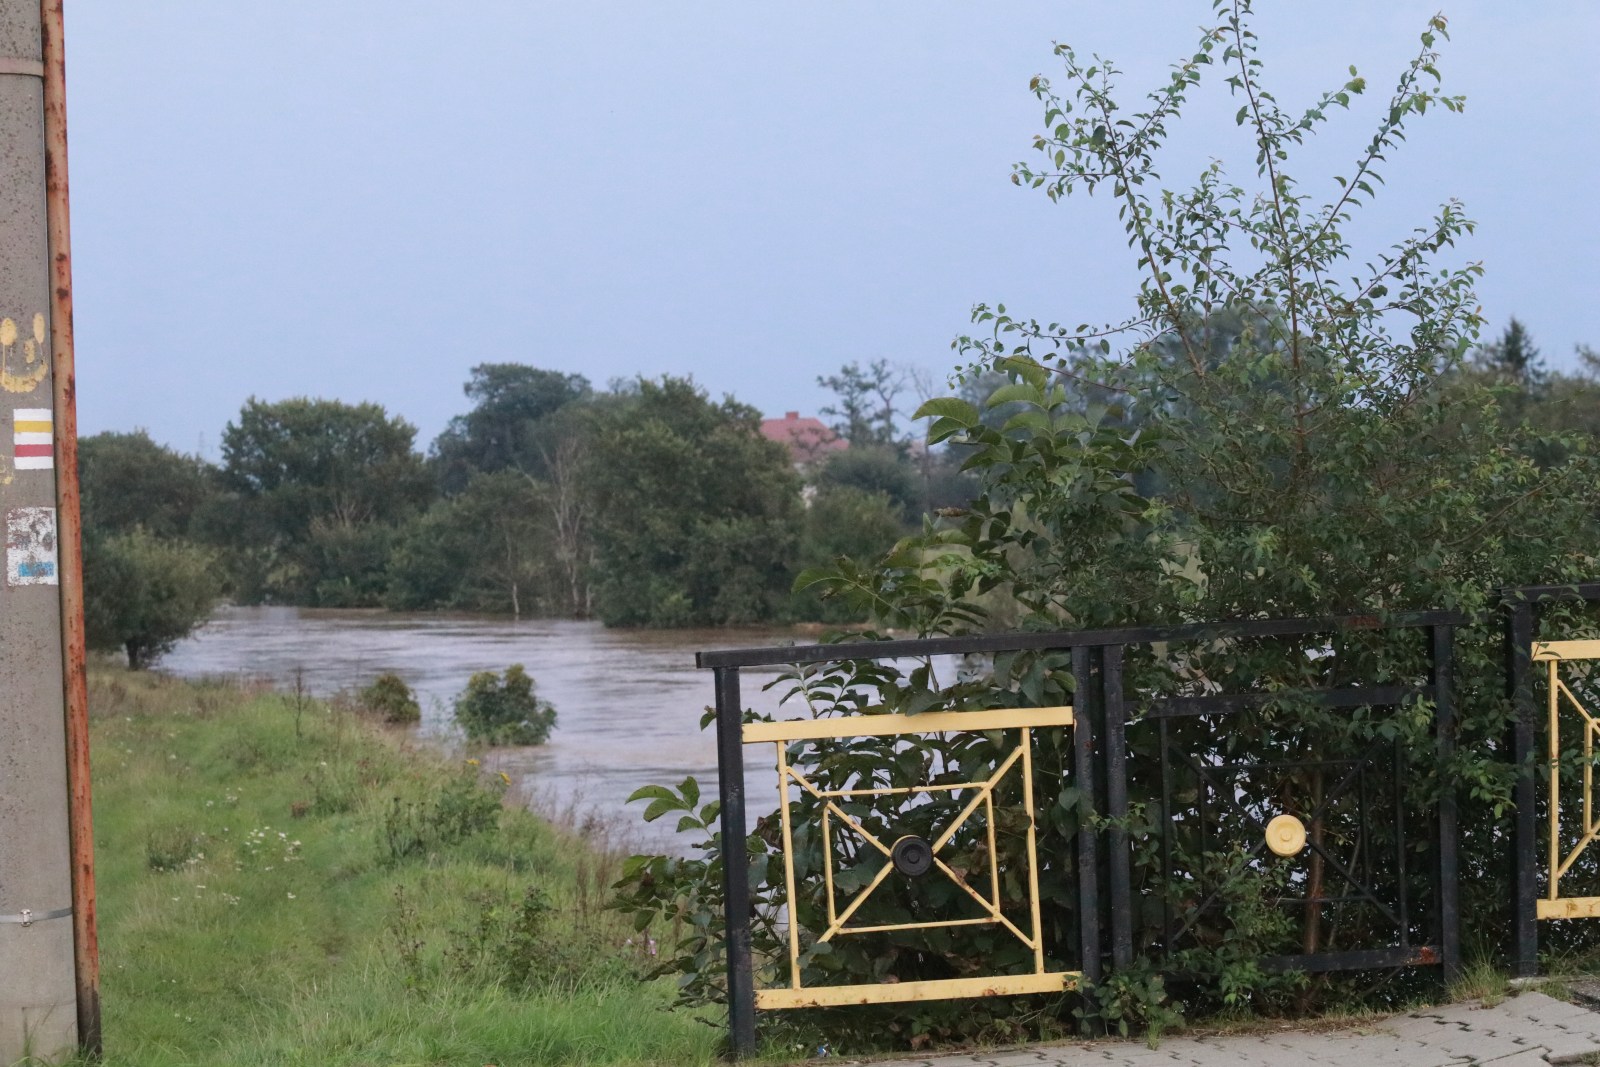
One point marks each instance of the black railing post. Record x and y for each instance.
(1525, 854)
(1117, 808)
(1088, 853)
(735, 864)
(1443, 674)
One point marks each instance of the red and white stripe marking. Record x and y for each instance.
(33, 439)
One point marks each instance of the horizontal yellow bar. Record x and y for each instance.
(1570, 908)
(893, 992)
(929, 722)
(987, 919)
(28, 426)
(886, 791)
(1549, 650)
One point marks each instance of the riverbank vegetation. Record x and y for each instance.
(282, 883)
(646, 504)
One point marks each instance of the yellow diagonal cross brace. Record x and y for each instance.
(984, 791)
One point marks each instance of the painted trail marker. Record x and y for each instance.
(32, 439)
(31, 546)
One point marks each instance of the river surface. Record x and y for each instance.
(628, 702)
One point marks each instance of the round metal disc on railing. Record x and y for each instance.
(912, 856)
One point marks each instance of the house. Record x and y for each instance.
(809, 441)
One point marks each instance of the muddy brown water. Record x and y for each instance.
(628, 702)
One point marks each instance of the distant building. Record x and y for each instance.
(807, 439)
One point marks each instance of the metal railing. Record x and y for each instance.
(1100, 719)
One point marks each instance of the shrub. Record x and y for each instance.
(173, 848)
(463, 808)
(391, 697)
(504, 711)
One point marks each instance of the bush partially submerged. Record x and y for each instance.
(391, 697)
(504, 711)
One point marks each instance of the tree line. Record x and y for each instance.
(647, 503)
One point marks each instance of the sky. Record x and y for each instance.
(362, 199)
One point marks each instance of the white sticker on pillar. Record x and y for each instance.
(31, 546)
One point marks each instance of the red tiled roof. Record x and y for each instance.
(807, 439)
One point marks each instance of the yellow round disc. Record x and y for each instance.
(1286, 835)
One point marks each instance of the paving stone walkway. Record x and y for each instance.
(1530, 1030)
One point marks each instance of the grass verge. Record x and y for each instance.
(280, 883)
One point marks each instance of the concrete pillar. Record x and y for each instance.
(38, 1001)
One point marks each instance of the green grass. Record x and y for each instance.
(280, 883)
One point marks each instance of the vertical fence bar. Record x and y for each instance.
(1525, 851)
(1443, 661)
(735, 864)
(1088, 854)
(1120, 880)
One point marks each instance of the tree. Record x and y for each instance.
(865, 410)
(143, 593)
(845, 522)
(694, 512)
(874, 469)
(511, 403)
(1515, 367)
(489, 548)
(319, 486)
(127, 481)
(1513, 359)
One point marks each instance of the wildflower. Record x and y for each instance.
(504, 777)
(472, 763)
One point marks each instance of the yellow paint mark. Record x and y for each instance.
(25, 382)
(34, 367)
(30, 426)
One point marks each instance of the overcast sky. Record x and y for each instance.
(361, 199)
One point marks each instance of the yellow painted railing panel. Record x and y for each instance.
(835, 820)
(1560, 696)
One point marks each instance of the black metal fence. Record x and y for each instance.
(1131, 746)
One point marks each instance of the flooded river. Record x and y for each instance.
(628, 701)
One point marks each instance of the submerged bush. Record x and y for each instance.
(390, 696)
(505, 711)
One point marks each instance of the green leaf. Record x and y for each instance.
(949, 407)
(1015, 393)
(648, 792)
(659, 808)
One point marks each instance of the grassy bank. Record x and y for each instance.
(280, 884)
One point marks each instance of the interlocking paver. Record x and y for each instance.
(1531, 1030)
(1529, 1058)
